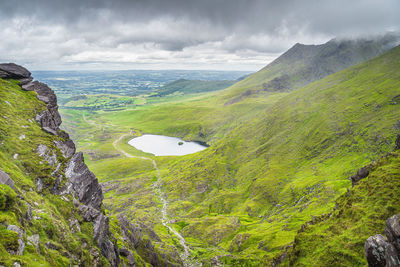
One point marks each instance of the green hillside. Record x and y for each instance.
(249, 193)
(39, 214)
(303, 64)
(183, 86)
(337, 238)
(209, 117)
(276, 160)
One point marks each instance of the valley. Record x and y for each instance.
(276, 160)
(199, 133)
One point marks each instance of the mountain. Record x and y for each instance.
(213, 117)
(303, 64)
(250, 192)
(184, 86)
(51, 204)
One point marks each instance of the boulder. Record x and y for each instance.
(13, 71)
(392, 256)
(375, 251)
(361, 174)
(5, 179)
(392, 231)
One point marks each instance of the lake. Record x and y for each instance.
(160, 145)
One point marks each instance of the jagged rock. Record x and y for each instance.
(5, 179)
(375, 250)
(25, 81)
(392, 230)
(123, 251)
(361, 174)
(46, 154)
(84, 182)
(44, 92)
(134, 237)
(81, 181)
(392, 256)
(110, 252)
(21, 243)
(28, 86)
(34, 239)
(381, 251)
(130, 232)
(17, 264)
(67, 147)
(49, 121)
(397, 143)
(13, 71)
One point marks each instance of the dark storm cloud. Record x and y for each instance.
(224, 30)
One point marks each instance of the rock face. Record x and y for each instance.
(82, 183)
(385, 251)
(13, 71)
(5, 179)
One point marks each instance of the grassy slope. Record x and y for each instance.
(338, 238)
(303, 64)
(267, 177)
(249, 193)
(51, 213)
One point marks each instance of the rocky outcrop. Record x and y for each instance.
(382, 251)
(13, 71)
(5, 179)
(134, 237)
(85, 184)
(81, 182)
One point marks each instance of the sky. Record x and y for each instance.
(178, 34)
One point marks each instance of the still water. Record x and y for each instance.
(161, 145)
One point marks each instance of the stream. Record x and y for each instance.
(158, 190)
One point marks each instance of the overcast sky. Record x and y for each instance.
(178, 34)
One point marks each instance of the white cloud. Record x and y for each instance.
(177, 34)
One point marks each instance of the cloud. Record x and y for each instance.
(186, 33)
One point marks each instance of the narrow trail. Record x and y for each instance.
(158, 190)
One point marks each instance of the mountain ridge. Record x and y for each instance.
(303, 64)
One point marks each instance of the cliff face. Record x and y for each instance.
(62, 173)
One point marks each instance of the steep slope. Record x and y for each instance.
(303, 64)
(51, 209)
(248, 194)
(54, 203)
(337, 238)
